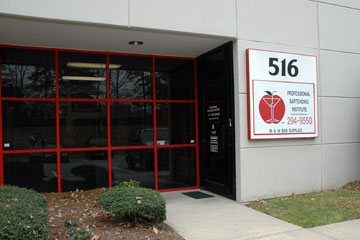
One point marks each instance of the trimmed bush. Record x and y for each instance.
(134, 204)
(131, 183)
(24, 214)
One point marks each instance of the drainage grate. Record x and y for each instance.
(197, 195)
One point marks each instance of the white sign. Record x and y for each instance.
(282, 95)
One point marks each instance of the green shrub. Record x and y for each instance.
(134, 204)
(79, 234)
(24, 214)
(131, 183)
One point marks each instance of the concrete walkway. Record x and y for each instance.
(218, 218)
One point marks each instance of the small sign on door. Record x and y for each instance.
(214, 144)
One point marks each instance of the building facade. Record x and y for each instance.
(98, 92)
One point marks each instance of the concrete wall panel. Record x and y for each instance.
(340, 74)
(278, 21)
(340, 120)
(272, 172)
(114, 12)
(238, 121)
(216, 17)
(339, 28)
(341, 164)
(345, 3)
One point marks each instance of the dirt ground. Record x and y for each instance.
(352, 186)
(82, 209)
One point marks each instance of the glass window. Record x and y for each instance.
(29, 125)
(176, 167)
(84, 170)
(83, 124)
(175, 123)
(36, 171)
(27, 73)
(82, 75)
(131, 124)
(136, 164)
(174, 79)
(130, 77)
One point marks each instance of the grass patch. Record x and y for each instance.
(314, 209)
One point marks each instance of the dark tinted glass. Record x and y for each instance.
(131, 124)
(214, 72)
(130, 77)
(82, 75)
(27, 73)
(174, 79)
(83, 124)
(175, 123)
(136, 164)
(29, 125)
(176, 167)
(31, 170)
(214, 129)
(84, 170)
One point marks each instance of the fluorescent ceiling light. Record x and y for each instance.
(83, 78)
(92, 65)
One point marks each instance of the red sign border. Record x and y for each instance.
(293, 135)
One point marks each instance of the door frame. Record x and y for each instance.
(230, 182)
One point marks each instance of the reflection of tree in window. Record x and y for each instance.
(28, 81)
(27, 73)
(133, 79)
(130, 84)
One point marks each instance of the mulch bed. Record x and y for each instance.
(82, 209)
(352, 186)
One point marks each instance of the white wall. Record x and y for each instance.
(214, 17)
(114, 12)
(331, 30)
(347, 3)
(339, 28)
(278, 21)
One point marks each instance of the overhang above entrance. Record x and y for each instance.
(74, 35)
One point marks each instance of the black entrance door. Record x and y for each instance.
(216, 121)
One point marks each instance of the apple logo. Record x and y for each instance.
(271, 108)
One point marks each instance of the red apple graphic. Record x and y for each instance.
(271, 108)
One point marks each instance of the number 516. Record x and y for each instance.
(292, 69)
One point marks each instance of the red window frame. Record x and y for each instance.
(108, 100)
